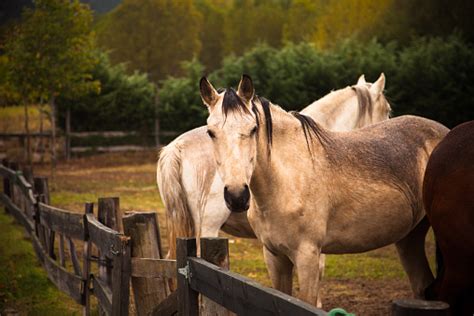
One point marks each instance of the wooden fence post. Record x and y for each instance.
(215, 251)
(410, 307)
(86, 264)
(188, 303)
(14, 190)
(47, 237)
(108, 214)
(6, 184)
(144, 232)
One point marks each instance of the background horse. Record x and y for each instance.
(448, 194)
(191, 190)
(320, 191)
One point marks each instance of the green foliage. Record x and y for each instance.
(51, 51)
(434, 79)
(152, 36)
(125, 102)
(180, 104)
(7, 91)
(427, 78)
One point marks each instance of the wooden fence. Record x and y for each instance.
(112, 261)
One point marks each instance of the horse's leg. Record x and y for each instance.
(307, 266)
(322, 265)
(411, 250)
(280, 269)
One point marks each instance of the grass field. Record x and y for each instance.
(363, 283)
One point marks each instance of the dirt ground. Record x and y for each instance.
(362, 296)
(363, 284)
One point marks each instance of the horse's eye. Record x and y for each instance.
(211, 134)
(253, 131)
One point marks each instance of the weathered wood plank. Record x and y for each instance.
(409, 307)
(168, 307)
(7, 173)
(241, 295)
(215, 251)
(103, 294)
(121, 279)
(62, 259)
(153, 268)
(107, 214)
(61, 221)
(145, 240)
(26, 188)
(74, 259)
(187, 296)
(107, 240)
(86, 263)
(64, 281)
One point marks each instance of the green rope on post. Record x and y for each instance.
(339, 312)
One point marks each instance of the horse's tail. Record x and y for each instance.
(168, 178)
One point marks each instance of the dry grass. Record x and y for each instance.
(12, 119)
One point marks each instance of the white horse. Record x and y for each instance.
(318, 191)
(191, 190)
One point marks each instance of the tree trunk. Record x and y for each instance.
(157, 119)
(52, 104)
(68, 136)
(41, 142)
(27, 131)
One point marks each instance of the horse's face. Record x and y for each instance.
(232, 127)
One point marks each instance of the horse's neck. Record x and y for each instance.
(337, 111)
(289, 156)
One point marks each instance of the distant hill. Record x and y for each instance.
(11, 9)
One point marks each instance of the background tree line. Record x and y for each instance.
(296, 51)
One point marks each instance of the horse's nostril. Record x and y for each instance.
(225, 189)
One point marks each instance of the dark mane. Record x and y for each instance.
(232, 102)
(364, 101)
(310, 128)
(267, 114)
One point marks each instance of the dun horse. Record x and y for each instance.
(448, 193)
(192, 190)
(318, 191)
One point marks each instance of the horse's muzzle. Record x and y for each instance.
(237, 200)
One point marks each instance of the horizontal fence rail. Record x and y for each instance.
(231, 290)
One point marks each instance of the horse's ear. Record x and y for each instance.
(378, 86)
(208, 93)
(361, 80)
(245, 89)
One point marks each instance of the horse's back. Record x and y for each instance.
(448, 194)
(395, 151)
